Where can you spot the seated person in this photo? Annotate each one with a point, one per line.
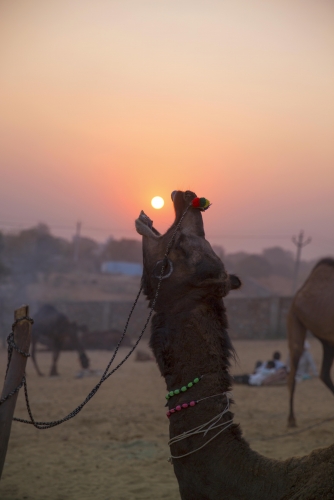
(277, 360)
(261, 372)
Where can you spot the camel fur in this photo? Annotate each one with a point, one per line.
(189, 339)
(312, 309)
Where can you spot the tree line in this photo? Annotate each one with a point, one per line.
(36, 250)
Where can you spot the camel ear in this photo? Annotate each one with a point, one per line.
(144, 226)
(235, 282)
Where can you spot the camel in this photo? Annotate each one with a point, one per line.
(53, 329)
(193, 351)
(312, 309)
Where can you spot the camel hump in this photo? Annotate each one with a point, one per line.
(313, 303)
(327, 261)
(48, 317)
(321, 279)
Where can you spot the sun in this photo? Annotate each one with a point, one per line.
(157, 202)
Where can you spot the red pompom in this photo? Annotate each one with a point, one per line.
(201, 203)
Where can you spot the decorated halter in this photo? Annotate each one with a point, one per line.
(201, 203)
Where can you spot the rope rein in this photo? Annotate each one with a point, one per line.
(288, 434)
(105, 375)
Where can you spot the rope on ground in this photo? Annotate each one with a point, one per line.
(287, 434)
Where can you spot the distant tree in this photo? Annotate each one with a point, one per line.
(2, 242)
(281, 261)
(232, 261)
(125, 250)
(4, 270)
(35, 250)
(254, 266)
(87, 253)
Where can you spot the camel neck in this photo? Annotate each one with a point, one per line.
(192, 344)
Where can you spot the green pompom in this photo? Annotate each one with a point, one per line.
(183, 389)
(190, 384)
(177, 391)
(196, 380)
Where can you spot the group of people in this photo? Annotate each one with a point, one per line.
(274, 371)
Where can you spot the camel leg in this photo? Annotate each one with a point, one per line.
(296, 339)
(55, 355)
(327, 361)
(33, 357)
(84, 360)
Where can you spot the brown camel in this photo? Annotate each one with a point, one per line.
(189, 340)
(53, 329)
(312, 309)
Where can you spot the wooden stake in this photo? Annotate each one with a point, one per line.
(16, 370)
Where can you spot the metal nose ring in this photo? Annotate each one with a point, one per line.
(167, 270)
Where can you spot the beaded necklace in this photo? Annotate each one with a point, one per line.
(183, 406)
(184, 388)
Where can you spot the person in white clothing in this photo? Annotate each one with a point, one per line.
(262, 373)
(306, 366)
(277, 360)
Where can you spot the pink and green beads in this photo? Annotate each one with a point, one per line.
(181, 407)
(183, 389)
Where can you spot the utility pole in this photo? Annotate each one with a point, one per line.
(77, 242)
(300, 243)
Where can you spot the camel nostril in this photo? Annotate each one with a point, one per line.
(173, 195)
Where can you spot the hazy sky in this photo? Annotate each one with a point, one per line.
(107, 103)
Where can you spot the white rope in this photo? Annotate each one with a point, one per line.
(205, 428)
(214, 396)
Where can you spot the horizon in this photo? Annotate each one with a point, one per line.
(65, 231)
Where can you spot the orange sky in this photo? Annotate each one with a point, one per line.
(107, 103)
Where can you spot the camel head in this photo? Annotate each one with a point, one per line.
(192, 270)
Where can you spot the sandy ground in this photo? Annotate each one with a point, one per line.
(116, 448)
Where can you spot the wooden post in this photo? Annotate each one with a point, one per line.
(16, 370)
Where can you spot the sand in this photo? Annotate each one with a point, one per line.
(116, 448)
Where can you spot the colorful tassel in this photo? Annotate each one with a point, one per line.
(201, 203)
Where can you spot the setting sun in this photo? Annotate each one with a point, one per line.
(157, 202)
